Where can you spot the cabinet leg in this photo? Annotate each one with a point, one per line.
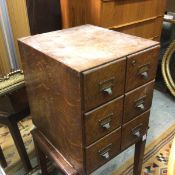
(138, 158)
(41, 159)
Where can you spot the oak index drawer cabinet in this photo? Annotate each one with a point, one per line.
(90, 91)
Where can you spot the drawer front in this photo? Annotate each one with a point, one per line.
(141, 68)
(148, 29)
(102, 151)
(138, 101)
(103, 84)
(103, 120)
(134, 130)
(116, 12)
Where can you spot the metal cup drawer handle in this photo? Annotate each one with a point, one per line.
(143, 71)
(105, 123)
(105, 152)
(137, 131)
(140, 103)
(106, 86)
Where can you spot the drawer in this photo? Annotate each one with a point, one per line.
(141, 68)
(103, 150)
(103, 120)
(103, 83)
(148, 29)
(134, 130)
(138, 101)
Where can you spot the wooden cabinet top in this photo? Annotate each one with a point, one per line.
(84, 47)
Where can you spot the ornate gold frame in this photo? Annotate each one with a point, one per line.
(165, 68)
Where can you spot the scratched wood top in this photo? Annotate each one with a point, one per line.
(84, 47)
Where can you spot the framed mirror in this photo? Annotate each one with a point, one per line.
(168, 68)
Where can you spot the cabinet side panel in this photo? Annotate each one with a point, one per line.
(54, 95)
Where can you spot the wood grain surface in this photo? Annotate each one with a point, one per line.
(140, 96)
(84, 47)
(55, 102)
(111, 113)
(141, 62)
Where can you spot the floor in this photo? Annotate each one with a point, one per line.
(162, 117)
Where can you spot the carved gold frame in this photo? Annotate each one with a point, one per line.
(165, 68)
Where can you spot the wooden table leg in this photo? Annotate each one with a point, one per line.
(139, 155)
(2, 159)
(14, 130)
(41, 159)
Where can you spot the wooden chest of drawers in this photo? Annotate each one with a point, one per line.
(140, 18)
(90, 91)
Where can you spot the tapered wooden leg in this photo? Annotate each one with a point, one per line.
(41, 159)
(138, 158)
(3, 162)
(14, 130)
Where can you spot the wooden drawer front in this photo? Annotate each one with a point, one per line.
(103, 120)
(138, 101)
(134, 130)
(103, 150)
(116, 12)
(148, 29)
(141, 68)
(104, 83)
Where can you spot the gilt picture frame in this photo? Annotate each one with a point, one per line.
(168, 68)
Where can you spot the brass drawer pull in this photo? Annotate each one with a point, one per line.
(108, 91)
(105, 152)
(105, 123)
(140, 104)
(143, 71)
(137, 131)
(144, 75)
(106, 86)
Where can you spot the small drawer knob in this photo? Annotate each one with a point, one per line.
(105, 155)
(144, 75)
(108, 91)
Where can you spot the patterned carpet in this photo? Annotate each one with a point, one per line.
(155, 161)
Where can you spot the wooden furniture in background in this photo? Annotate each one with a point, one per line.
(141, 18)
(13, 108)
(90, 92)
(5, 67)
(19, 22)
(44, 15)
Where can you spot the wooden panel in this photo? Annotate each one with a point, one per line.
(54, 97)
(79, 12)
(141, 68)
(122, 12)
(138, 101)
(103, 83)
(4, 60)
(134, 130)
(143, 29)
(94, 46)
(19, 21)
(103, 150)
(103, 120)
(41, 22)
